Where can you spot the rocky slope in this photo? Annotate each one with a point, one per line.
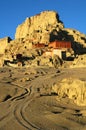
(78, 40)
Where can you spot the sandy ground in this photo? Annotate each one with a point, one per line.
(27, 101)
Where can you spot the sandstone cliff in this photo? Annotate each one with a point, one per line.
(39, 27)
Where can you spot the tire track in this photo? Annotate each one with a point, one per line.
(20, 117)
(15, 109)
(19, 109)
(19, 104)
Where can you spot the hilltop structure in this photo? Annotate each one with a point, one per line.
(39, 31)
(39, 27)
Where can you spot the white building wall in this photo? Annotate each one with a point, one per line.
(61, 53)
(57, 52)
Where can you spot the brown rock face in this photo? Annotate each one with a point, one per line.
(39, 27)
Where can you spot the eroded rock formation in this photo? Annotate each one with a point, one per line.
(74, 89)
(39, 27)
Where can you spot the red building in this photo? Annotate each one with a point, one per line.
(39, 45)
(60, 44)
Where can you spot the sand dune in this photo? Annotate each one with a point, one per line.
(30, 100)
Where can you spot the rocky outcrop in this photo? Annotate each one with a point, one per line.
(39, 27)
(74, 89)
(79, 61)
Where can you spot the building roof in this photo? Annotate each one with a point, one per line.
(60, 44)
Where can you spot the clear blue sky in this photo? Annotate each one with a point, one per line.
(14, 12)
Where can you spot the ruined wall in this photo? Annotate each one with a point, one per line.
(3, 44)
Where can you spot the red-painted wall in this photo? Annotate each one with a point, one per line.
(60, 44)
(39, 45)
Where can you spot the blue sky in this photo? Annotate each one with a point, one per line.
(14, 12)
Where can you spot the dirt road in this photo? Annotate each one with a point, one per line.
(28, 103)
